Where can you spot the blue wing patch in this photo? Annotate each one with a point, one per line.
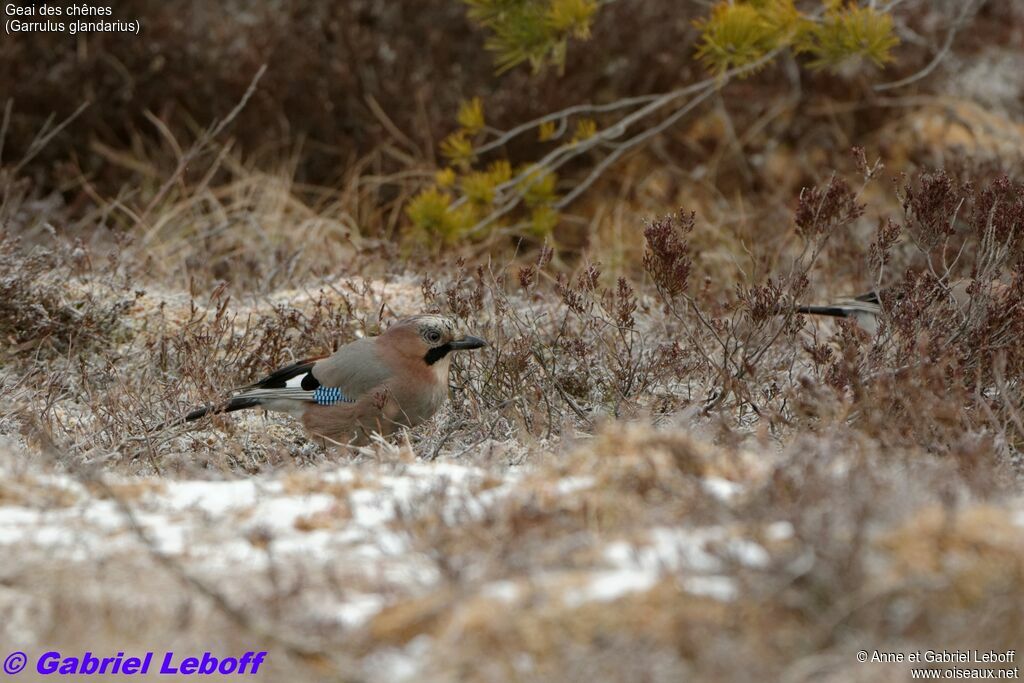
(329, 396)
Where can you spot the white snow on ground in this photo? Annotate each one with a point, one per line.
(694, 557)
(397, 665)
(348, 522)
(341, 519)
(608, 585)
(720, 488)
(211, 522)
(691, 555)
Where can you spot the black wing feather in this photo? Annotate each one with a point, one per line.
(275, 380)
(279, 378)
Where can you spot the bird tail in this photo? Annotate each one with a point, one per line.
(833, 311)
(252, 398)
(229, 406)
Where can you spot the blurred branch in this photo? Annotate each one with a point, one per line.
(201, 144)
(3, 127)
(510, 194)
(561, 117)
(44, 135)
(967, 10)
(630, 144)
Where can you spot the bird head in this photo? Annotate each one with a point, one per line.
(432, 337)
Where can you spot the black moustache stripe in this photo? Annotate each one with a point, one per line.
(437, 353)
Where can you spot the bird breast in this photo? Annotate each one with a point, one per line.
(420, 396)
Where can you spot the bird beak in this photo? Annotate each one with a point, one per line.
(468, 343)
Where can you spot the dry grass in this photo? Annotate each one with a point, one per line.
(657, 470)
(632, 465)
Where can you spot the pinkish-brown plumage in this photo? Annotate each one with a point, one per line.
(376, 384)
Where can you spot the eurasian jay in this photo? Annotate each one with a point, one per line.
(374, 384)
(866, 308)
(863, 310)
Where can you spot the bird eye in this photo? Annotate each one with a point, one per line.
(433, 336)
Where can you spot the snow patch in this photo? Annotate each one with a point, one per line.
(605, 586)
(722, 489)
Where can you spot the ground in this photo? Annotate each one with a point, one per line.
(657, 470)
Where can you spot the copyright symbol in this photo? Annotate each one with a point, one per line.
(862, 656)
(15, 662)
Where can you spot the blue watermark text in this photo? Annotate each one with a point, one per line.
(166, 663)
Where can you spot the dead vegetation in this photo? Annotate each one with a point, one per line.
(652, 459)
(658, 470)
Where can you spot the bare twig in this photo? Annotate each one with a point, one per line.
(200, 145)
(967, 9)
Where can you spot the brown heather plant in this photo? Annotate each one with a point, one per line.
(734, 346)
(658, 470)
(48, 305)
(667, 258)
(859, 445)
(570, 349)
